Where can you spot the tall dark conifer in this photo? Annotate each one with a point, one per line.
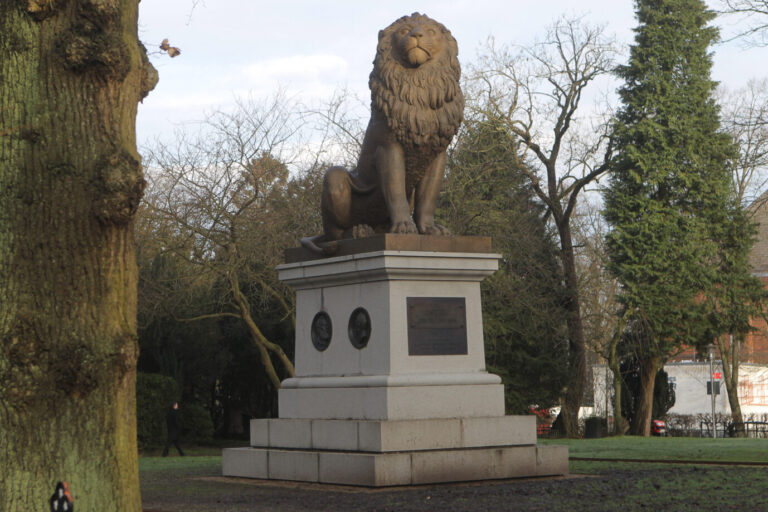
(524, 310)
(670, 200)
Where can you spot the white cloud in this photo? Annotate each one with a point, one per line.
(321, 67)
(186, 100)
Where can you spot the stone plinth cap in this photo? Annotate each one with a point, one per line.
(392, 242)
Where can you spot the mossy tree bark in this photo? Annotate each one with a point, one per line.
(649, 367)
(614, 363)
(71, 75)
(729, 348)
(577, 346)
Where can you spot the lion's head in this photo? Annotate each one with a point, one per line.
(415, 81)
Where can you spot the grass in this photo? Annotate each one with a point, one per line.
(670, 487)
(209, 464)
(668, 448)
(212, 448)
(184, 484)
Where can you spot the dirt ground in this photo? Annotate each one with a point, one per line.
(593, 486)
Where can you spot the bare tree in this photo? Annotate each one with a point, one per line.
(537, 92)
(754, 14)
(339, 127)
(601, 311)
(745, 118)
(220, 202)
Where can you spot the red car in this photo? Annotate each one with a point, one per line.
(658, 428)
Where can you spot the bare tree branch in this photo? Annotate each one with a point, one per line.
(536, 92)
(221, 203)
(744, 116)
(753, 15)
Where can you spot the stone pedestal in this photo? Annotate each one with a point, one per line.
(390, 385)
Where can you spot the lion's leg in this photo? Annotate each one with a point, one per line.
(390, 162)
(427, 192)
(336, 203)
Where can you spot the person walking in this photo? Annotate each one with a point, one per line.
(174, 429)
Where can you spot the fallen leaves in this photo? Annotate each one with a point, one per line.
(171, 50)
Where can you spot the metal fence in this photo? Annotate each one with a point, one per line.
(756, 429)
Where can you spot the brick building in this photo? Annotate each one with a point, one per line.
(689, 371)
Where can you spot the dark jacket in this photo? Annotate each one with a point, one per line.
(173, 423)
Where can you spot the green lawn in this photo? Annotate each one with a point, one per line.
(190, 484)
(208, 464)
(668, 448)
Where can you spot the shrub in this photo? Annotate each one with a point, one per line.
(154, 394)
(196, 423)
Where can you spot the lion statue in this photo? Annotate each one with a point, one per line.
(416, 109)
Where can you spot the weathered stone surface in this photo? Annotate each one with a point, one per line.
(244, 462)
(394, 435)
(400, 468)
(290, 433)
(392, 403)
(364, 469)
(382, 282)
(551, 460)
(395, 242)
(292, 465)
(335, 435)
(260, 432)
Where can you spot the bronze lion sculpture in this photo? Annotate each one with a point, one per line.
(416, 109)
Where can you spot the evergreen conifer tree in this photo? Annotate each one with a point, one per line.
(670, 201)
(524, 312)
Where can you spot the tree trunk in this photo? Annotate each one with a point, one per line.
(619, 423)
(641, 424)
(730, 355)
(234, 420)
(577, 353)
(71, 76)
(263, 345)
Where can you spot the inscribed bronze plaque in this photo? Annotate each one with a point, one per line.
(437, 326)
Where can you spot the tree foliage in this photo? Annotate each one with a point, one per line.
(220, 210)
(154, 394)
(487, 194)
(679, 235)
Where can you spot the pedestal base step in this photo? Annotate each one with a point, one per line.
(397, 468)
(392, 402)
(393, 435)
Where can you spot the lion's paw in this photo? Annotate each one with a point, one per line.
(362, 231)
(435, 230)
(406, 227)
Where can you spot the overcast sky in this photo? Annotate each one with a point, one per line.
(235, 48)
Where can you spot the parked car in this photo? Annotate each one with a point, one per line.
(658, 428)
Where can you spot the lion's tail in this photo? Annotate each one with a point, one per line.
(328, 249)
(361, 189)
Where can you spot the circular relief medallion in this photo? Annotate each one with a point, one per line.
(359, 328)
(322, 330)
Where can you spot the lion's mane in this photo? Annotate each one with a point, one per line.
(423, 106)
